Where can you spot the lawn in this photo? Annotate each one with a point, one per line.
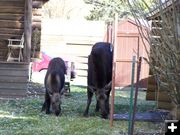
(23, 116)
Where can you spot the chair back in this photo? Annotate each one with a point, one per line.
(22, 39)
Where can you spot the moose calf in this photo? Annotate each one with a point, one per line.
(54, 85)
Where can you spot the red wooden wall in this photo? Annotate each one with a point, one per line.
(129, 44)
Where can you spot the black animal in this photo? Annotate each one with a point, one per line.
(54, 83)
(100, 77)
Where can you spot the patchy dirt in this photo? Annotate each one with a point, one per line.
(38, 89)
(35, 89)
(36, 85)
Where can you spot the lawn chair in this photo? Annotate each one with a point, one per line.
(67, 77)
(15, 44)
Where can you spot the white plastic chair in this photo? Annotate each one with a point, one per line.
(15, 44)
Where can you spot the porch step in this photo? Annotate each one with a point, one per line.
(13, 79)
(3, 53)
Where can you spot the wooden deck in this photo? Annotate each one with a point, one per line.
(17, 17)
(14, 77)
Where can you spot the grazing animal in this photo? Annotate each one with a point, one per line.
(100, 77)
(54, 84)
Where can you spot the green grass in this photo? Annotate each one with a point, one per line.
(23, 117)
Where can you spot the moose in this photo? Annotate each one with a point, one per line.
(54, 84)
(99, 77)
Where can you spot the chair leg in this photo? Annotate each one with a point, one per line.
(21, 55)
(20, 58)
(9, 54)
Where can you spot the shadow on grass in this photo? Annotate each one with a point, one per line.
(29, 118)
(75, 103)
(78, 99)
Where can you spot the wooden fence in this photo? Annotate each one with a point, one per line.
(72, 40)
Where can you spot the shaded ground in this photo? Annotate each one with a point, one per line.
(23, 117)
(35, 89)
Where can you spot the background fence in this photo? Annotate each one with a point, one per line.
(72, 40)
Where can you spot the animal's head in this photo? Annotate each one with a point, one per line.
(56, 103)
(53, 87)
(102, 98)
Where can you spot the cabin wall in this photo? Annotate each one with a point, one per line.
(13, 79)
(12, 14)
(14, 76)
(36, 28)
(154, 92)
(12, 23)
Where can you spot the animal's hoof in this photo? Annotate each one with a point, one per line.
(104, 116)
(48, 112)
(57, 113)
(85, 115)
(96, 110)
(43, 108)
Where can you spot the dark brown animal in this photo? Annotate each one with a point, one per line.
(100, 77)
(54, 84)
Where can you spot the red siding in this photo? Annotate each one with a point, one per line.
(129, 44)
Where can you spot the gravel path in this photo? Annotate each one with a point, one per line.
(36, 85)
(35, 89)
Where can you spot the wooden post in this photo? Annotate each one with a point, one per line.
(27, 30)
(109, 32)
(107, 38)
(113, 70)
(136, 94)
(131, 96)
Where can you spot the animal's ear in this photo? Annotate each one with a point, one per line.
(108, 86)
(91, 88)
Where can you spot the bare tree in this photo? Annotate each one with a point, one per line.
(64, 9)
(164, 39)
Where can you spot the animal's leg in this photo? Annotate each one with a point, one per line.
(47, 103)
(107, 105)
(43, 107)
(107, 102)
(89, 94)
(105, 113)
(97, 106)
(44, 104)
